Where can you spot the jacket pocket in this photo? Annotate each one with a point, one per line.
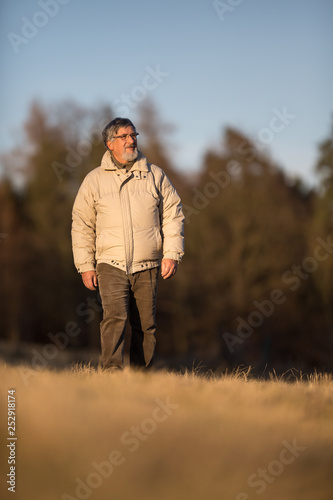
(99, 245)
(158, 239)
(147, 244)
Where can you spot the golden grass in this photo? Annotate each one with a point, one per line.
(162, 436)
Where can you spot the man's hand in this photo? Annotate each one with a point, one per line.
(89, 279)
(168, 268)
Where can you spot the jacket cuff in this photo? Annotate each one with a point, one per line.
(86, 267)
(173, 255)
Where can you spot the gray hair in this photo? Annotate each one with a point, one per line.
(112, 128)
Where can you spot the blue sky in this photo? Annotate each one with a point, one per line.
(233, 62)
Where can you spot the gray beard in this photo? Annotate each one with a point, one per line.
(130, 156)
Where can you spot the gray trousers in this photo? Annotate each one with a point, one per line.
(125, 296)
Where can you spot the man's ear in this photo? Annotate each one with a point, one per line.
(109, 145)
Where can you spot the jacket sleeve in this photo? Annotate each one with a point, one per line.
(172, 221)
(84, 229)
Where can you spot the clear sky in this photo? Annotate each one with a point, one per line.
(206, 64)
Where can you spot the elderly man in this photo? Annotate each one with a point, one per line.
(127, 225)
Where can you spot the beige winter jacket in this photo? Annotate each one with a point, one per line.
(130, 220)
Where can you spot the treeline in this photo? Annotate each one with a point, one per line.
(256, 283)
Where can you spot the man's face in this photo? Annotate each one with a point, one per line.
(123, 149)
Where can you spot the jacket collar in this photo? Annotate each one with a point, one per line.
(140, 164)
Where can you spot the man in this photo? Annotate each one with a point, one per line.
(127, 225)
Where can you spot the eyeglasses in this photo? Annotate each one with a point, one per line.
(125, 137)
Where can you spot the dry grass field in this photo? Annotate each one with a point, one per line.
(85, 434)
